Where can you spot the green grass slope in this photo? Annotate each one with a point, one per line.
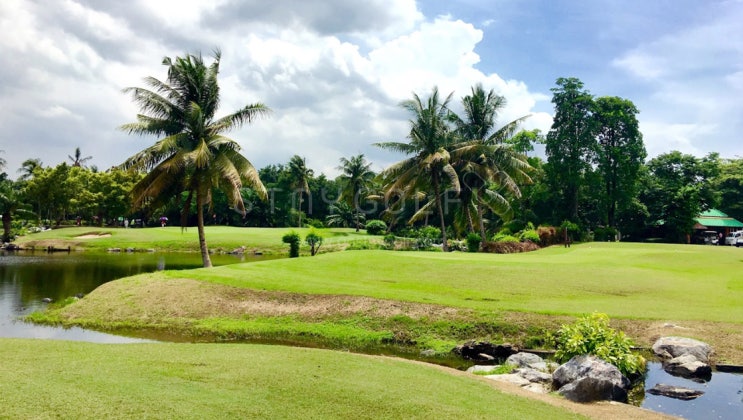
(647, 281)
(56, 379)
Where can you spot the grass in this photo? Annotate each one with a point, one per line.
(56, 379)
(172, 238)
(642, 281)
(360, 300)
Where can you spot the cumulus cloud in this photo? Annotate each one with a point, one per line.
(333, 72)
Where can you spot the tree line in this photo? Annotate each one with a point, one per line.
(465, 173)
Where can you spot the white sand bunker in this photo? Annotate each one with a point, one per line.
(93, 236)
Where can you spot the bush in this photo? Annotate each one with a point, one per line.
(574, 231)
(603, 234)
(503, 237)
(591, 334)
(508, 247)
(376, 227)
(389, 241)
(315, 223)
(548, 235)
(530, 236)
(293, 239)
(473, 242)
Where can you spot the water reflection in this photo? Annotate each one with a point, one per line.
(28, 278)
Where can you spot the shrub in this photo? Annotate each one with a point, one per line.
(361, 244)
(389, 241)
(604, 234)
(503, 237)
(314, 240)
(574, 231)
(473, 242)
(548, 235)
(508, 247)
(376, 227)
(591, 334)
(530, 236)
(293, 239)
(315, 223)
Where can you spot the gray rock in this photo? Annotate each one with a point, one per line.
(510, 378)
(482, 368)
(672, 347)
(534, 375)
(673, 391)
(588, 378)
(688, 366)
(524, 359)
(428, 353)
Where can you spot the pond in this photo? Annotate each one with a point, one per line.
(28, 278)
(722, 398)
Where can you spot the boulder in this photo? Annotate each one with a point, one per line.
(587, 378)
(510, 378)
(672, 347)
(484, 351)
(684, 357)
(534, 375)
(530, 360)
(482, 368)
(673, 391)
(688, 366)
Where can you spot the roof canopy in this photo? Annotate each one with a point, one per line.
(716, 218)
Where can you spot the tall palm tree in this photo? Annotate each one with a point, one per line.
(429, 168)
(28, 167)
(192, 157)
(3, 162)
(78, 160)
(487, 166)
(356, 175)
(300, 175)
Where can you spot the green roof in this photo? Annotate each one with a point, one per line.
(716, 218)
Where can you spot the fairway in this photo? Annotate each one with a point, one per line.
(55, 379)
(625, 280)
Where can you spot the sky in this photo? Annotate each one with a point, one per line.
(334, 71)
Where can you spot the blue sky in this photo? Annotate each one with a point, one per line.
(334, 71)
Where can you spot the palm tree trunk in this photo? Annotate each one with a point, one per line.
(357, 220)
(481, 219)
(6, 226)
(440, 207)
(299, 209)
(202, 237)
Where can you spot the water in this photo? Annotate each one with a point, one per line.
(27, 278)
(722, 399)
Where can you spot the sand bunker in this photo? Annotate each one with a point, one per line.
(93, 236)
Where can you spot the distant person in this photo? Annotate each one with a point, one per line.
(126, 223)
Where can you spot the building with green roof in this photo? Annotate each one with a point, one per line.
(716, 220)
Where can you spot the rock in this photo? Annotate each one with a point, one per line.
(671, 347)
(677, 392)
(114, 249)
(47, 300)
(688, 366)
(482, 368)
(524, 359)
(510, 378)
(475, 350)
(587, 378)
(534, 375)
(428, 353)
(684, 357)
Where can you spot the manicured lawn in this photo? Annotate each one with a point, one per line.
(172, 238)
(650, 281)
(56, 379)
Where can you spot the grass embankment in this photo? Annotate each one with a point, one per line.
(433, 300)
(55, 379)
(172, 238)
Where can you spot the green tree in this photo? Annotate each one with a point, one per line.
(193, 155)
(356, 176)
(679, 187)
(300, 176)
(729, 184)
(570, 144)
(429, 168)
(29, 167)
(524, 141)
(342, 214)
(620, 153)
(11, 203)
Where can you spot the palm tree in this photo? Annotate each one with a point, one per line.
(300, 176)
(192, 157)
(341, 214)
(3, 162)
(356, 177)
(429, 168)
(485, 164)
(28, 167)
(77, 160)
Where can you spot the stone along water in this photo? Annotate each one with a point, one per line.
(27, 279)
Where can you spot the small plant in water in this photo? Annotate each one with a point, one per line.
(591, 334)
